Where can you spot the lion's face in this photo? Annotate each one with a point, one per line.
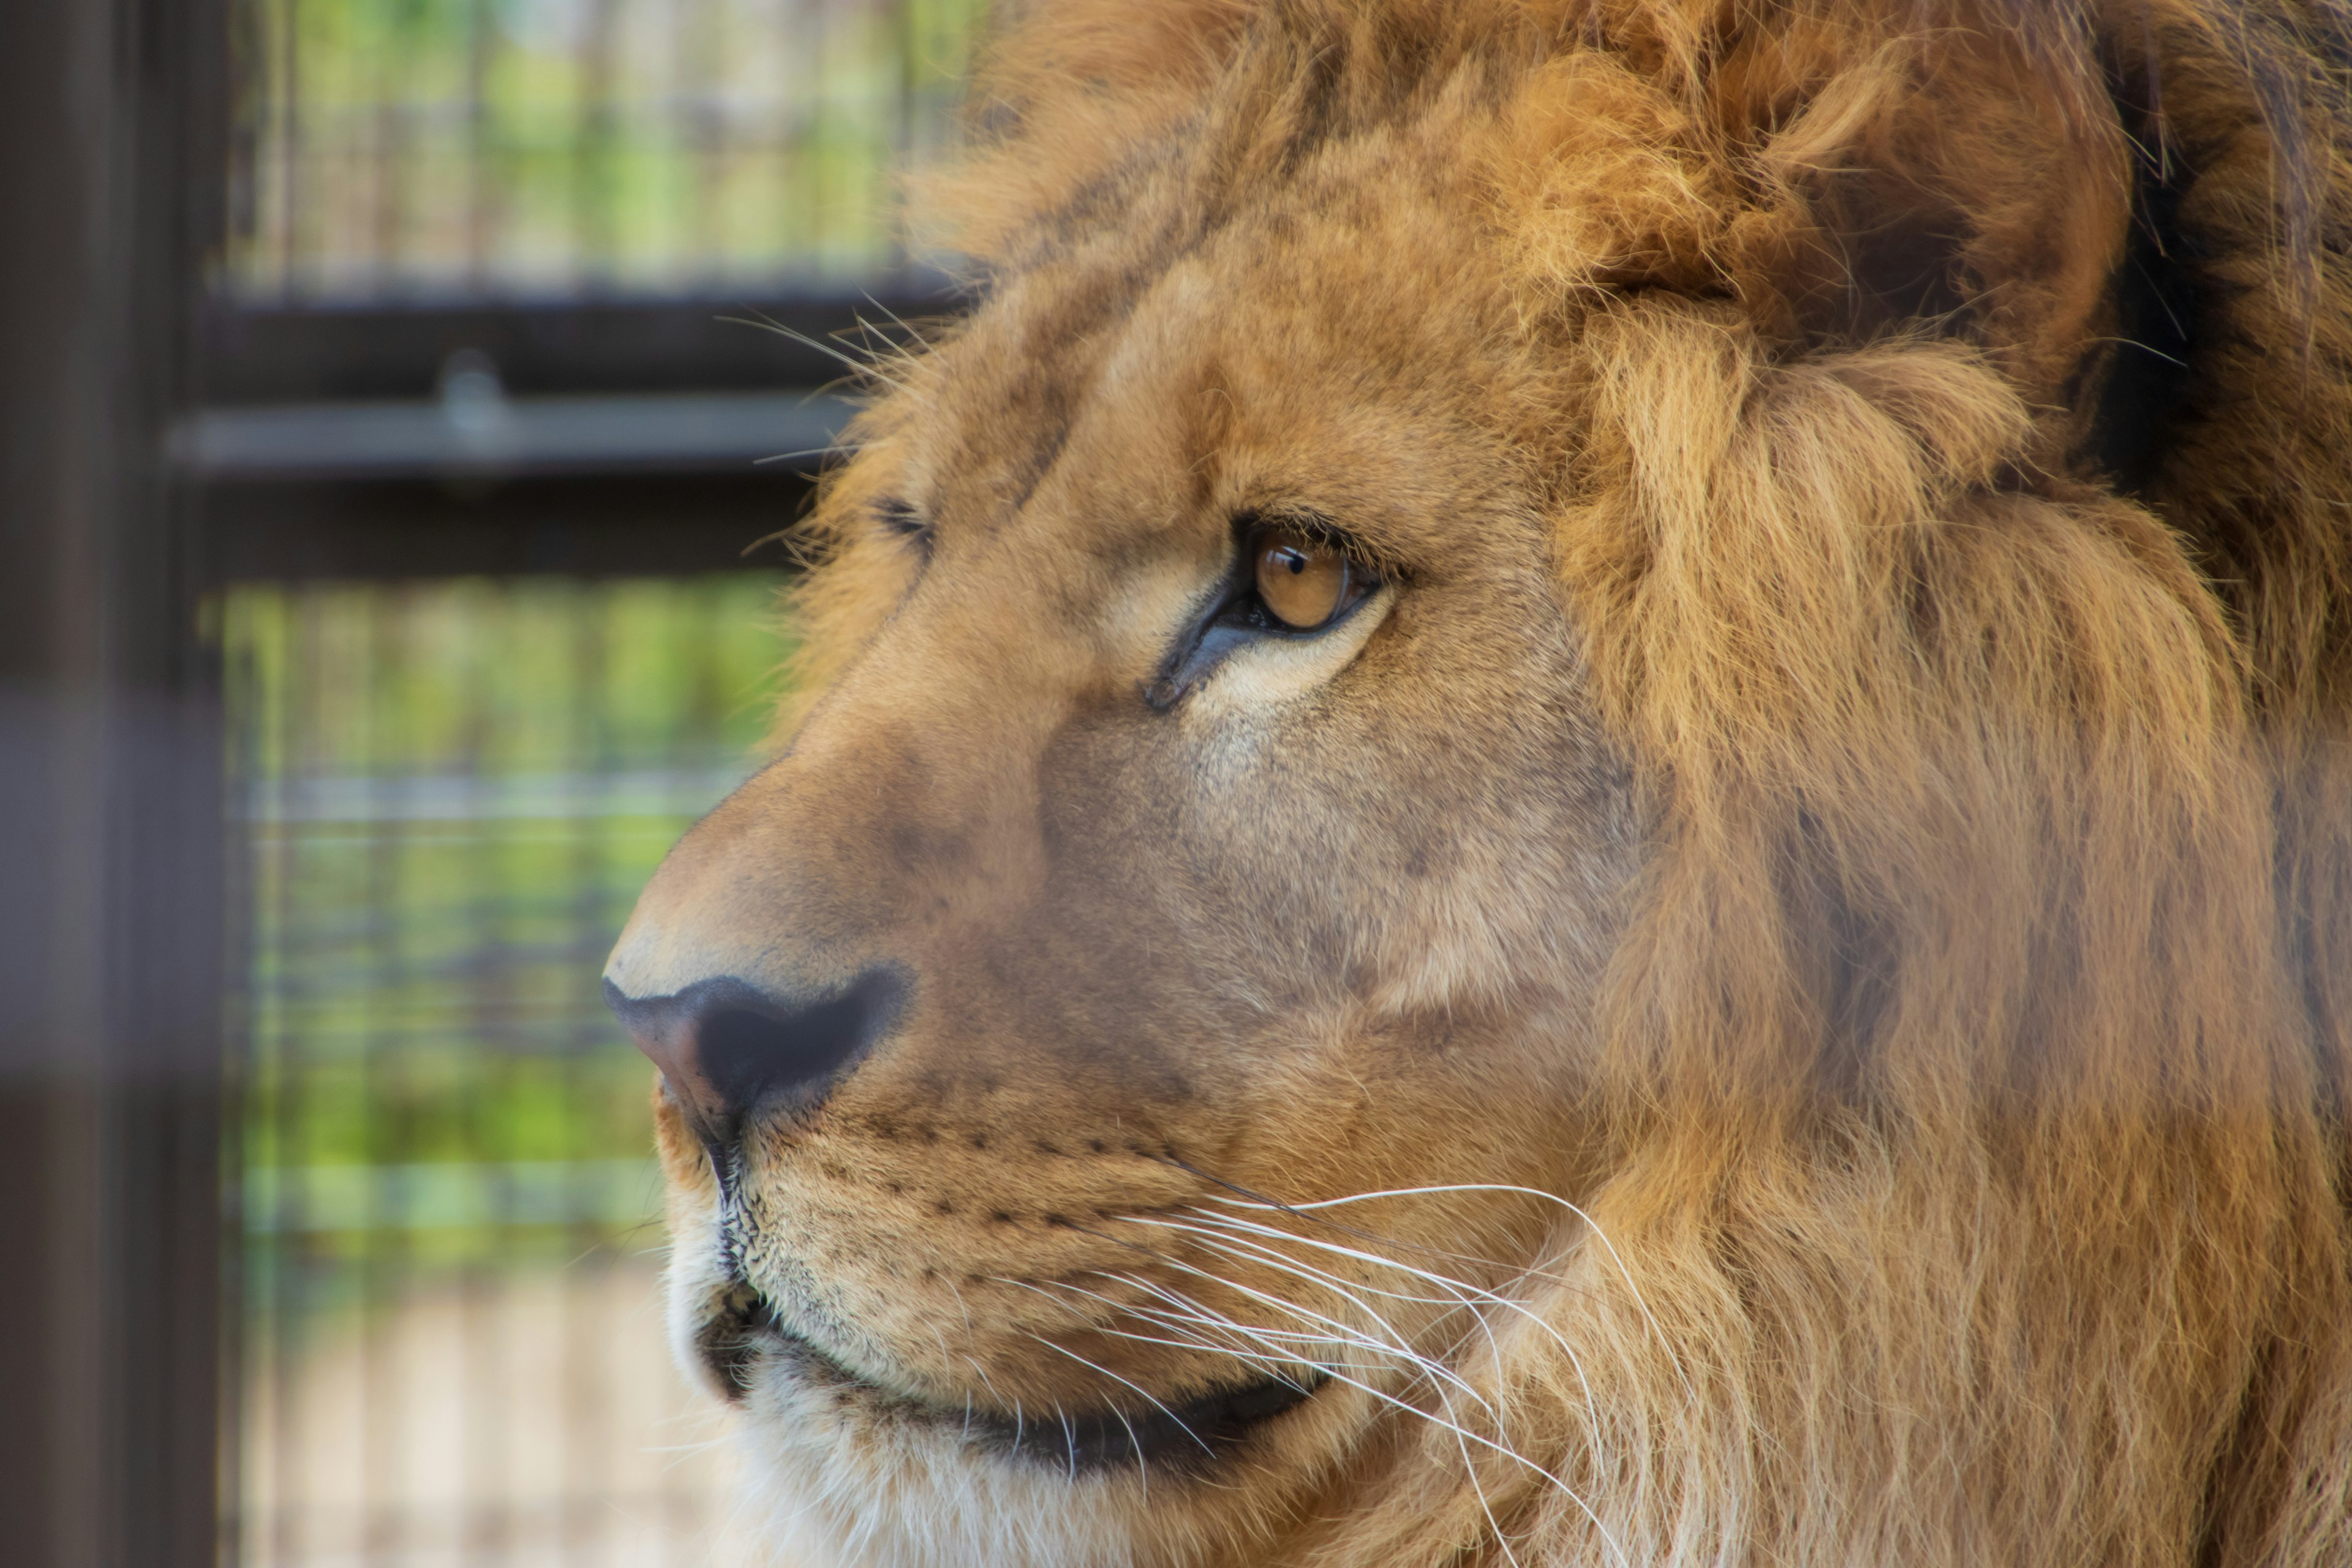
(1095, 907)
(1573, 794)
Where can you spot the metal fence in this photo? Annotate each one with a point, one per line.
(398, 149)
(451, 1347)
(464, 323)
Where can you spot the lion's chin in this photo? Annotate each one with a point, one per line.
(742, 1344)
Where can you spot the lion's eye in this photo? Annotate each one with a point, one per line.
(900, 520)
(1303, 582)
(1294, 580)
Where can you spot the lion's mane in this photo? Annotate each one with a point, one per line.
(1979, 1060)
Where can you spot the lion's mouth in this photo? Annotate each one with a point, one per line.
(743, 1337)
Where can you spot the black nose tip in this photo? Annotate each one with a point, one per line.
(730, 1049)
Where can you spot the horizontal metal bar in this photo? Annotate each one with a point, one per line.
(633, 523)
(251, 352)
(496, 437)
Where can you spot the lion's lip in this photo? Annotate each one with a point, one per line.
(744, 1334)
(1188, 1436)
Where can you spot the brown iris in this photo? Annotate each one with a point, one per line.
(1302, 580)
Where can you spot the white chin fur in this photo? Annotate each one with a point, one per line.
(827, 1491)
(861, 1497)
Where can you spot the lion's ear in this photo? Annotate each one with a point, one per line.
(1961, 183)
(1844, 182)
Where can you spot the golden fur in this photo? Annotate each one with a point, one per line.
(1835, 853)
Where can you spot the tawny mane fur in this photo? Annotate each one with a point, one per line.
(1938, 420)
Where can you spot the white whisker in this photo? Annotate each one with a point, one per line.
(1183, 1321)
(1590, 1223)
(1461, 1433)
(1139, 1388)
(1396, 1345)
(1444, 1282)
(864, 368)
(1345, 1335)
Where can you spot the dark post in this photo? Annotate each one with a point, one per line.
(111, 909)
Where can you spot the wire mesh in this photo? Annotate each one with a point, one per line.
(406, 149)
(452, 1349)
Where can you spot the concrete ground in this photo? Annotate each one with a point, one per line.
(528, 1418)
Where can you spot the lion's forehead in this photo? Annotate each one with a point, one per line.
(1287, 323)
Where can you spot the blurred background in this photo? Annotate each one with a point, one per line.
(400, 399)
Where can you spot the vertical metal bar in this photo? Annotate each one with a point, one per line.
(592, 236)
(909, 36)
(288, 1253)
(574, 1036)
(248, 53)
(389, 155)
(483, 177)
(817, 131)
(490, 1505)
(698, 124)
(379, 1285)
(307, 1262)
(790, 127)
(293, 153)
(110, 948)
(476, 1369)
(492, 1063)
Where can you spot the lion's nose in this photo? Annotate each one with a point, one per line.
(732, 1049)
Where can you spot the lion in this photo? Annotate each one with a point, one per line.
(1576, 789)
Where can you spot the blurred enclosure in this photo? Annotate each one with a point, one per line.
(424, 148)
(451, 792)
(471, 463)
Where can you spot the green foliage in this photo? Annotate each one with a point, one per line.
(498, 678)
(453, 792)
(424, 144)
